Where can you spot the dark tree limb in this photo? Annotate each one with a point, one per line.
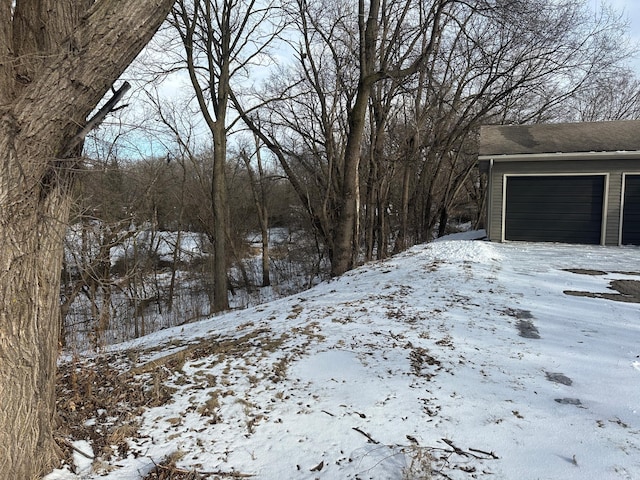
(97, 119)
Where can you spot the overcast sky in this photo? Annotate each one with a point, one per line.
(631, 9)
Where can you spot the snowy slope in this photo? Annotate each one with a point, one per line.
(461, 357)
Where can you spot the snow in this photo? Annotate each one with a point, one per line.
(463, 357)
(192, 245)
(82, 459)
(82, 455)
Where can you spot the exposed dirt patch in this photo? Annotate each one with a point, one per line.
(526, 329)
(518, 313)
(558, 378)
(628, 291)
(569, 401)
(627, 287)
(585, 271)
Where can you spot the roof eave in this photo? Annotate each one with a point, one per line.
(514, 157)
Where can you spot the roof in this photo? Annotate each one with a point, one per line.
(614, 136)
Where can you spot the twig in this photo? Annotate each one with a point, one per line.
(73, 447)
(366, 435)
(444, 475)
(455, 449)
(488, 454)
(229, 474)
(461, 452)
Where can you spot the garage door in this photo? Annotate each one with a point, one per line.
(631, 211)
(565, 209)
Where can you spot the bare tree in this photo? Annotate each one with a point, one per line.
(316, 127)
(221, 40)
(57, 60)
(493, 64)
(613, 96)
(377, 45)
(259, 190)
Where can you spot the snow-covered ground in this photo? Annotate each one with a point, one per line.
(465, 358)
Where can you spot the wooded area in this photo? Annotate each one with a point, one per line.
(331, 133)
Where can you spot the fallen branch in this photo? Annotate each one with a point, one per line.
(457, 450)
(470, 453)
(176, 357)
(488, 454)
(366, 435)
(210, 346)
(218, 473)
(73, 447)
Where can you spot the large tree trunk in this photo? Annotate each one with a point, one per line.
(195, 23)
(220, 223)
(57, 60)
(31, 261)
(346, 228)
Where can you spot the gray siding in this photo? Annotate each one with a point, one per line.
(614, 169)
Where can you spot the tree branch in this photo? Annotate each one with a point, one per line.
(97, 119)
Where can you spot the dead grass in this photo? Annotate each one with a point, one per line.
(101, 399)
(211, 407)
(167, 470)
(95, 390)
(419, 463)
(120, 434)
(420, 360)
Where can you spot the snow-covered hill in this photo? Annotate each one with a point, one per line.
(458, 359)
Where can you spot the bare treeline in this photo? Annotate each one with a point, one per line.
(139, 251)
(354, 125)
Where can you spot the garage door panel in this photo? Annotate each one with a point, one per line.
(551, 209)
(554, 208)
(560, 192)
(550, 204)
(555, 223)
(631, 211)
(547, 198)
(558, 237)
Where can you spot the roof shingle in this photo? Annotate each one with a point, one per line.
(612, 136)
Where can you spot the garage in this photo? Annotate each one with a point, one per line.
(558, 208)
(576, 183)
(631, 211)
